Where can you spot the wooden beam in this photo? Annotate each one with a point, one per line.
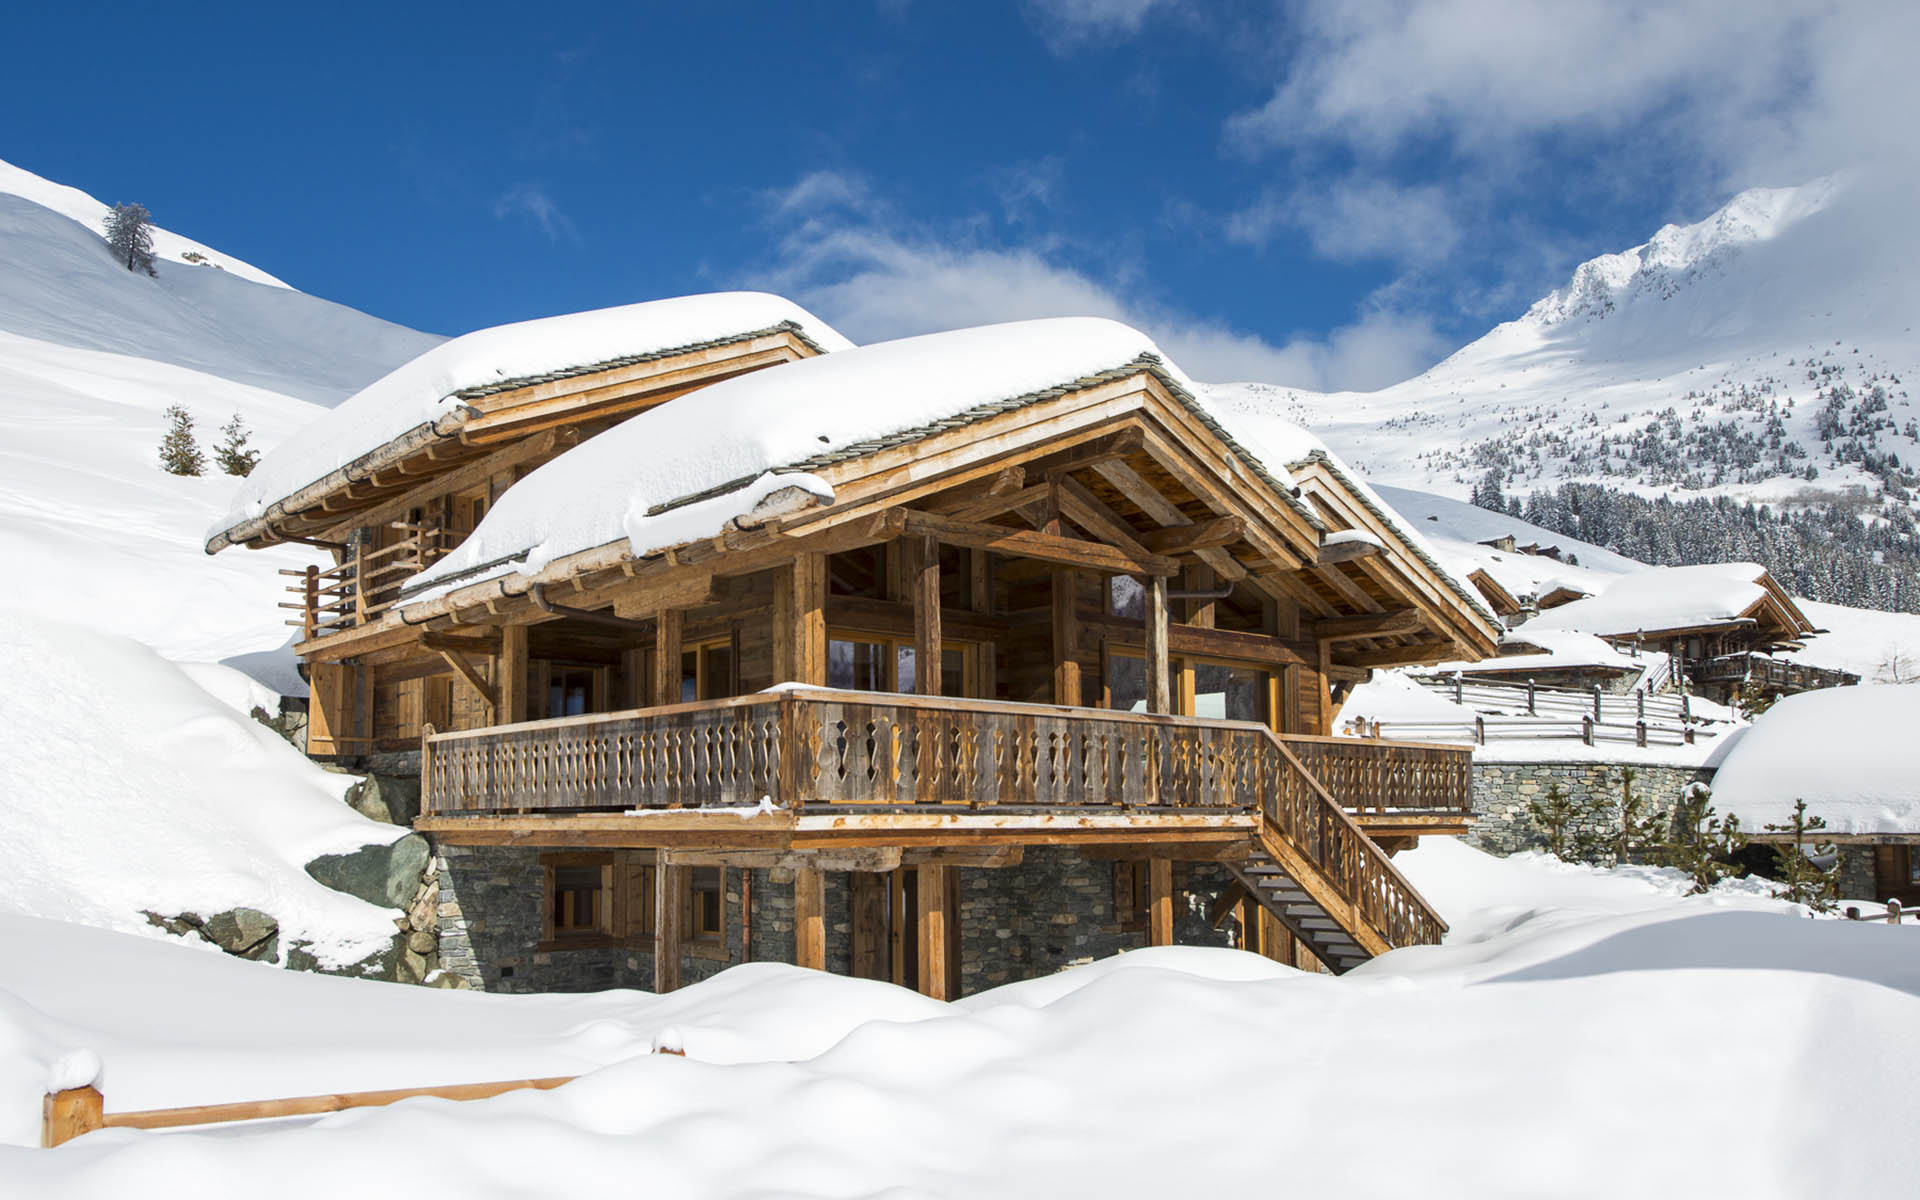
(860, 859)
(799, 621)
(926, 617)
(982, 857)
(1418, 654)
(466, 671)
(666, 657)
(485, 642)
(1071, 552)
(935, 964)
(885, 616)
(1066, 636)
(1084, 509)
(1200, 612)
(810, 918)
(458, 480)
(512, 674)
(1386, 624)
(1346, 551)
(1160, 901)
(1187, 539)
(666, 928)
(1004, 482)
(1159, 665)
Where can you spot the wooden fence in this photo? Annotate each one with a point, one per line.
(366, 584)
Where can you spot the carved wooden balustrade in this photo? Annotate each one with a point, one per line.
(1389, 777)
(807, 750)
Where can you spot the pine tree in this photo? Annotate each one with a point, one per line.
(232, 453)
(1638, 836)
(129, 233)
(1555, 815)
(1814, 886)
(179, 453)
(1702, 844)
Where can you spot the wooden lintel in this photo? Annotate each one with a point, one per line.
(868, 859)
(987, 857)
(486, 641)
(1419, 654)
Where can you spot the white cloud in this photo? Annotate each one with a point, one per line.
(1761, 90)
(1356, 219)
(875, 280)
(1067, 25)
(532, 202)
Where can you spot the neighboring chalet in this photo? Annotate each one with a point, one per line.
(1849, 754)
(1718, 624)
(948, 660)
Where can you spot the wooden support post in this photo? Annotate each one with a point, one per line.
(800, 621)
(1066, 636)
(1323, 690)
(1160, 900)
(810, 918)
(935, 966)
(666, 657)
(511, 680)
(666, 927)
(926, 618)
(1159, 667)
(66, 1115)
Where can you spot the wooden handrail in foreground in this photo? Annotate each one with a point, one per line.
(67, 1114)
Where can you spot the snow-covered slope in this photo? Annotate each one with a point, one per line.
(91, 355)
(1583, 1033)
(59, 284)
(1727, 356)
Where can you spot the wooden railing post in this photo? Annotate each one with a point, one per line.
(426, 769)
(312, 598)
(68, 1114)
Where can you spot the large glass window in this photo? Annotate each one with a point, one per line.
(707, 671)
(1221, 691)
(1229, 693)
(891, 665)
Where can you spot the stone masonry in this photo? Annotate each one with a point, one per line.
(1054, 910)
(1502, 791)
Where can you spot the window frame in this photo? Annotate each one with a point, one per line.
(626, 884)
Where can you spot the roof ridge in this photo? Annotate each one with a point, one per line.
(627, 360)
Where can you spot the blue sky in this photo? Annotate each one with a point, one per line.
(1325, 195)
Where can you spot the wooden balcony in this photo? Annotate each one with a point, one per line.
(356, 591)
(873, 763)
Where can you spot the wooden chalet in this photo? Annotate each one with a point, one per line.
(947, 661)
(1720, 625)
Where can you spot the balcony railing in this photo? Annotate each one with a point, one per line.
(813, 751)
(365, 585)
(1775, 673)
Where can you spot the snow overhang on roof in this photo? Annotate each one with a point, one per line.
(1668, 599)
(429, 398)
(679, 472)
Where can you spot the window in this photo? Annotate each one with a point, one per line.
(579, 900)
(571, 691)
(1219, 690)
(596, 900)
(874, 663)
(706, 904)
(707, 670)
(1130, 895)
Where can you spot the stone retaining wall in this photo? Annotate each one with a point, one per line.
(1502, 791)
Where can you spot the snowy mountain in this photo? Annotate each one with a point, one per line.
(90, 357)
(1764, 353)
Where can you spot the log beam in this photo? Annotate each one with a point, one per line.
(1044, 547)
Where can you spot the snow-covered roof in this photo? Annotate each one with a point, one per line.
(1283, 443)
(1662, 598)
(432, 386)
(1848, 752)
(678, 472)
(1547, 650)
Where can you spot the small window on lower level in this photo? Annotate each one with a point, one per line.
(579, 901)
(706, 904)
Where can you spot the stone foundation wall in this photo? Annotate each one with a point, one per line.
(1502, 791)
(1054, 910)
(491, 921)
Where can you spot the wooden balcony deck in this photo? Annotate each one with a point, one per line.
(819, 767)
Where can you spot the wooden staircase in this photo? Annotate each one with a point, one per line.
(1325, 880)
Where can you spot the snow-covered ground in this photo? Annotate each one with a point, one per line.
(1583, 1033)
